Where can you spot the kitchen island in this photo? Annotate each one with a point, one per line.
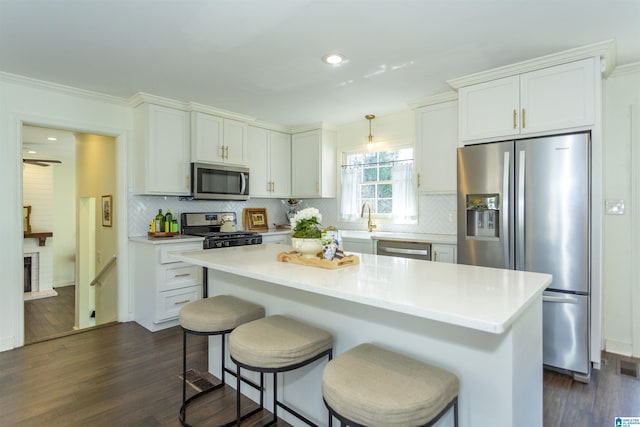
(483, 324)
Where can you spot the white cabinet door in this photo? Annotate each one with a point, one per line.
(558, 97)
(235, 138)
(280, 164)
(313, 164)
(551, 99)
(206, 135)
(489, 109)
(364, 246)
(217, 140)
(162, 166)
(258, 161)
(269, 160)
(436, 147)
(279, 239)
(305, 164)
(443, 253)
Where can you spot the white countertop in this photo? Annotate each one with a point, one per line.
(449, 239)
(480, 298)
(166, 240)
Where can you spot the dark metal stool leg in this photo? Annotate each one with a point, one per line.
(184, 371)
(238, 382)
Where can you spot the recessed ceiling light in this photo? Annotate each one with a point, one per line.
(52, 138)
(333, 58)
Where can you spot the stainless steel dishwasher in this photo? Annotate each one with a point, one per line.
(404, 249)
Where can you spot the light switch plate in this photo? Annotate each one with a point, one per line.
(614, 207)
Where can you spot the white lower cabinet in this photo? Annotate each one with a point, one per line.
(278, 238)
(364, 246)
(162, 285)
(443, 253)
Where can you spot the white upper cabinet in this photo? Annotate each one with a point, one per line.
(269, 161)
(217, 140)
(161, 151)
(207, 137)
(313, 164)
(235, 141)
(436, 147)
(550, 99)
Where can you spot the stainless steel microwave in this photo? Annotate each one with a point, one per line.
(219, 182)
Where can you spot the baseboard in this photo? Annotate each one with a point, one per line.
(618, 347)
(6, 343)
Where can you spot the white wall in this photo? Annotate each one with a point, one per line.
(620, 286)
(64, 222)
(33, 102)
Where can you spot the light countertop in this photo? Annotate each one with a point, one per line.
(480, 298)
(166, 240)
(408, 237)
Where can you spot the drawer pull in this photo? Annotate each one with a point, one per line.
(182, 275)
(182, 302)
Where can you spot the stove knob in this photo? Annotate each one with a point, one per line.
(218, 244)
(226, 243)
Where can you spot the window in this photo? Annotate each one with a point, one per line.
(383, 179)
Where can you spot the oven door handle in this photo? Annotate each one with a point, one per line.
(423, 252)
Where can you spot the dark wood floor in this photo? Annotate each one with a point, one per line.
(116, 375)
(45, 318)
(123, 375)
(609, 394)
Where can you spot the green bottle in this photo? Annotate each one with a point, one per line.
(168, 218)
(159, 220)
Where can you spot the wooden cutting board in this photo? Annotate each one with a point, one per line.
(296, 258)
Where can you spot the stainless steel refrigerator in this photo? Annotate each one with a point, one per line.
(525, 205)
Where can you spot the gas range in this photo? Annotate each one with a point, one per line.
(210, 225)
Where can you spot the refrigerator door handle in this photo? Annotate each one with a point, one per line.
(521, 200)
(505, 209)
(565, 300)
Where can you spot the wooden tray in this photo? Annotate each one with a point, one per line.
(163, 234)
(296, 258)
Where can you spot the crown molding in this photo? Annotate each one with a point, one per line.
(626, 69)
(605, 50)
(60, 88)
(202, 108)
(142, 97)
(434, 99)
(313, 126)
(271, 126)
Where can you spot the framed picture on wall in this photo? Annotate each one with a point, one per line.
(107, 211)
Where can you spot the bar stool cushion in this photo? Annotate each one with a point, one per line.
(377, 387)
(276, 342)
(219, 313)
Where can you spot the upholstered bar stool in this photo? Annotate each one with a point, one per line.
(372, 386)
(277, 344)
(213, 316)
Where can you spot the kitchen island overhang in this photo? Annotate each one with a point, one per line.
(483, 324)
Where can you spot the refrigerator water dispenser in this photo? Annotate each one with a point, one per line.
(483, 216)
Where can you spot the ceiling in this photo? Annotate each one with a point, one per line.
(262, 58)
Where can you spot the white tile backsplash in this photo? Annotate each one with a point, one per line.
(434, 212)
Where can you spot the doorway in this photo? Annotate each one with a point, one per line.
(74, 168)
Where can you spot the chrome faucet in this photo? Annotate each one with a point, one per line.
(370, 225)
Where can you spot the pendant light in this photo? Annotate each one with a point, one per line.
(370, 143)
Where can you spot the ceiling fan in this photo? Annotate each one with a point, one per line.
(40, 162)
